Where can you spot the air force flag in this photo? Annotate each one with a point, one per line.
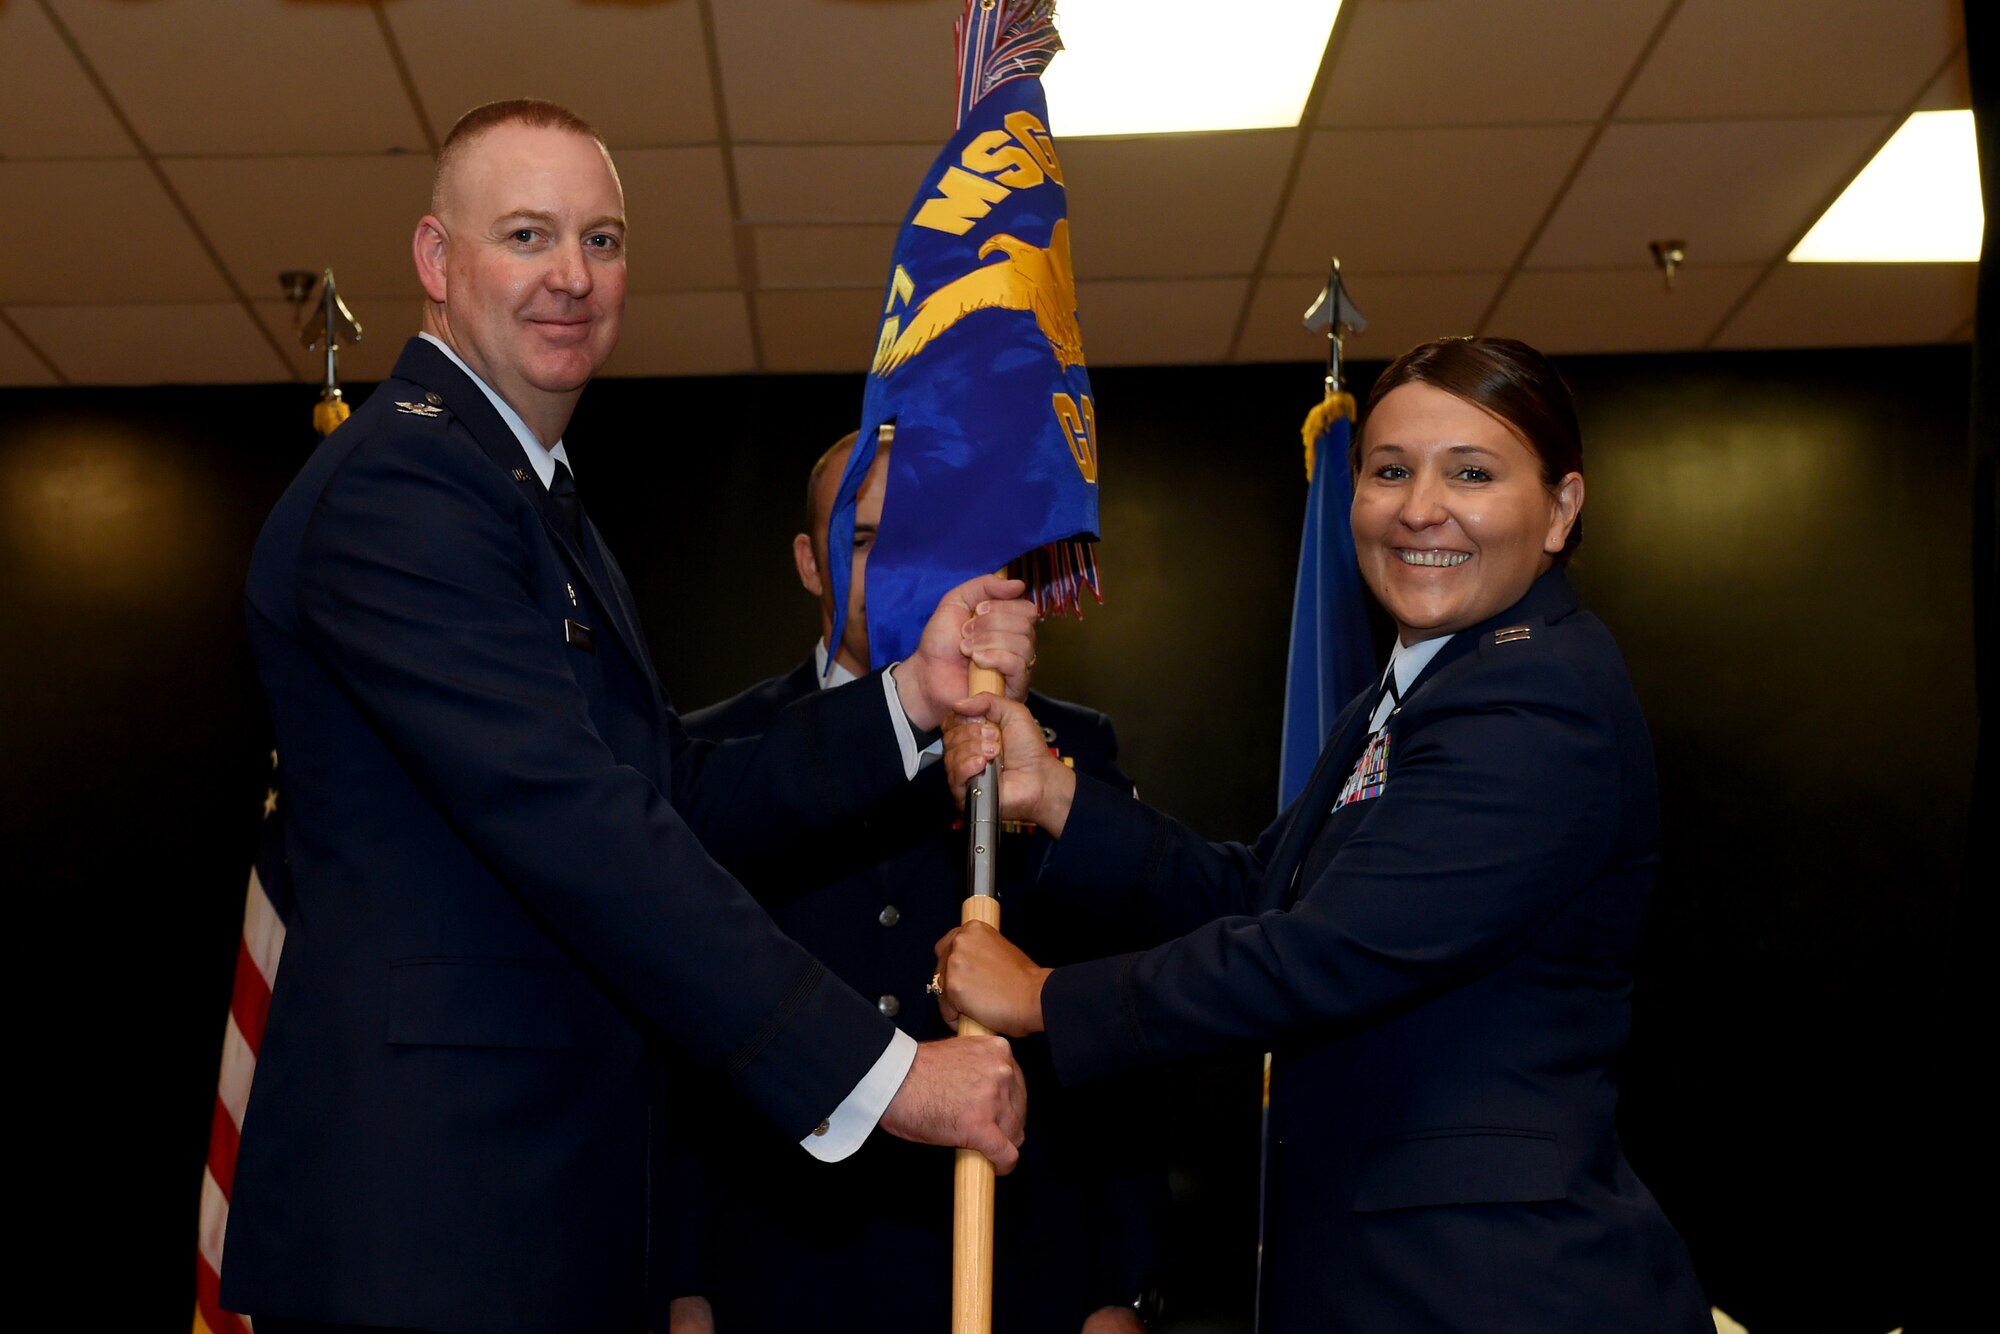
(979, 361)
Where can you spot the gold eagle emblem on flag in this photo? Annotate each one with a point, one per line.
(1031, 278)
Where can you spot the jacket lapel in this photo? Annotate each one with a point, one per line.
(624, 615)
(1315, 803)
(423, 364)
(1550, 598)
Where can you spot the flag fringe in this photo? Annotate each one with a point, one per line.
(1057, 574)
(1000, 41)
(1320, 420)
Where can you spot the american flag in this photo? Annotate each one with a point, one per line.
(265, 907)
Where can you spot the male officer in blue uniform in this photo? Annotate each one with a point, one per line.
(509, 857)
(869, 1248)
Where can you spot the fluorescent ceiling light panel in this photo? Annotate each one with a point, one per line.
(1917, 201)
(1175, 66)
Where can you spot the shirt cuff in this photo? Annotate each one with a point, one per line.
(906, 735)
(842, 1133)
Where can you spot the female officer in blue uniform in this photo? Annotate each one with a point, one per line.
(1436, 940)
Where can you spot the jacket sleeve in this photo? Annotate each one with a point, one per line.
(1497, 812)
(414, 593)
(819, 762)
(1122, 860)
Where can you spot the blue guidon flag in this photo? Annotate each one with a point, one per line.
(979, 360)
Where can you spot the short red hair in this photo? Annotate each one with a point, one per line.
(530, 111)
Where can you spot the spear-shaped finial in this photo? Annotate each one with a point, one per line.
(1333, 311)
(325, 322)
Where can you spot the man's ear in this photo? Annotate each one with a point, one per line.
(808, 565)
(428, 248)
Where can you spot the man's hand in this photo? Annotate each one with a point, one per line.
(986, 976)
(985, 621)
(965, 1092)
(1034, 784)
(691, 1315)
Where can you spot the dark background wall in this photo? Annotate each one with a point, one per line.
(1780, 541)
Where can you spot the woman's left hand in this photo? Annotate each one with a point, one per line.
(987, 977)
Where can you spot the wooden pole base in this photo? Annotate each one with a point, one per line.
(972, 1218)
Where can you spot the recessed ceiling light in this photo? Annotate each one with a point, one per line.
(1175, 66)
(1917, 201)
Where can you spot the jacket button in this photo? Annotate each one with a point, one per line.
(889, 1006)
(889, 916)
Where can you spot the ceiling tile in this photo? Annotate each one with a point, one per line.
(1735, 191)
(637, 72)
(1855, 305)
(824, 256)
(1402, 311)
(839, 183)
(1618, 310)
(108, 233)
(386, 324)
(1781, 58)
(212, 342)
(850, 72)
(824, 330)
(677, 201)
(1473, 62)
(48, 108)
(220, 76)
(1174, 206)
(1412, 201)
(1159, 323)
(268, 214)
(18, 363)
(684, 333)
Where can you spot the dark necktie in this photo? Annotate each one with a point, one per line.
(562, 490)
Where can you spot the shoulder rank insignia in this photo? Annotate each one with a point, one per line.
(418, 409)
(1511, 633)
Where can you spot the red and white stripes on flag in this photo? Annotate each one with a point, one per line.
(264, 907)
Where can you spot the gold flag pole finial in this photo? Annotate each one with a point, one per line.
(325, 322)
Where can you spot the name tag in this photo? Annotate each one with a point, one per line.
(578, 634)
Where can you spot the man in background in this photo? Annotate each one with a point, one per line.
(870, 1249)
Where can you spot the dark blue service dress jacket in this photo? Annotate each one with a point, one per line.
(1442, 967)
(506, 856)
(866, 1247)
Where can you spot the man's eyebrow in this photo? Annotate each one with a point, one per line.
(549, 219)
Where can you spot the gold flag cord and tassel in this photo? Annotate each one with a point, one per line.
(1320, 420)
